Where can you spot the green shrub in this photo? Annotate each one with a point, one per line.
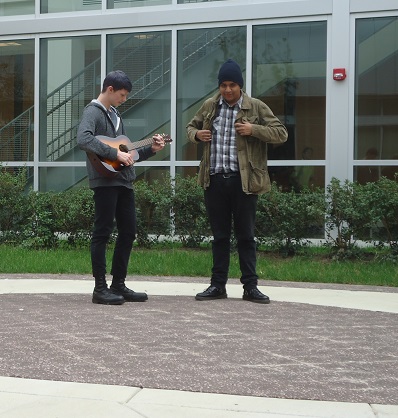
(13, 203)
(349, 216)
(189, 212)
(345, 213)
(153, 205)
(383, 203)
(74, 212)
(287, 219)
(339, 215)
(41, 227)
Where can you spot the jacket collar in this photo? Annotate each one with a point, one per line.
(246, 103)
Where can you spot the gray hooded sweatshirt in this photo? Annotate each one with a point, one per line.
(96, 121)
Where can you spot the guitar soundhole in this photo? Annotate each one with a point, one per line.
(123, 148)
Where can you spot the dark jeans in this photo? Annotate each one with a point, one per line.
(113, 203)
(225, 201)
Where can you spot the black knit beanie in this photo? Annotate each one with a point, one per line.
(230, 71)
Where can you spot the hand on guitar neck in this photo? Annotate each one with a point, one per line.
(126, 152)
(127, 157)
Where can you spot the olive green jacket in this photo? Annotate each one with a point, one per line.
(252, 150)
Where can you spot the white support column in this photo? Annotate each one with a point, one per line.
(338, 131)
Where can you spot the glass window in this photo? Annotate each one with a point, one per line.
(195, 1)
(150, 174)
(70, 78)
(376, 94)
(56, 6)
(201, 52)
(300, 177)
(13, 8)
(187, 171)
(145, 58)
(117, 4)
(16, 100)
(289, 75)
(58, 179)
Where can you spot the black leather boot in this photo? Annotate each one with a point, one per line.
(118, 287)
(103, 295)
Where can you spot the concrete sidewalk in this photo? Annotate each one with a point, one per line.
(315, 351)
(20, 398)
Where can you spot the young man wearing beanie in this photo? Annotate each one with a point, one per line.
(235, 129)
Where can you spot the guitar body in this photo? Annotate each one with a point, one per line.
(111, 168)
(121, 143)
(103, 167)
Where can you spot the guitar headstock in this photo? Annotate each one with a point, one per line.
(166, 138)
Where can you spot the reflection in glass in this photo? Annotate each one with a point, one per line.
(16, 100)
(117, 4)
(70, 78)
(370, 173)
(14, 8)
(194, 1)
(200, 55)
(187, 171)
(57, 6)
(390, 171)
(58, 179)
(289, 75)
(145, 58)
(297, 177)
(150, 174)
(376, 92)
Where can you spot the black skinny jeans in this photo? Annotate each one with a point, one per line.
(225, 200)
(113, 203)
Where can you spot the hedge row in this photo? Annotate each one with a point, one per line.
(342, 215)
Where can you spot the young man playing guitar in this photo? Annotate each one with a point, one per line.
(113, 195)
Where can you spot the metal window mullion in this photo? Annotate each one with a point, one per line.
(36, 154)
(173, 101)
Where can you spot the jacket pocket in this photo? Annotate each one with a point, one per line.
(259, 181)
(250, 119)
(201, 173)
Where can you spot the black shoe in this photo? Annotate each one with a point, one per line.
(105, 297)
(211, 293)
(128, 294)
(254, 295)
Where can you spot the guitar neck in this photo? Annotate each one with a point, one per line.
(142, 143)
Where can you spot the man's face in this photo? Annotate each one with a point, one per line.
(230, 91)
(117, 97)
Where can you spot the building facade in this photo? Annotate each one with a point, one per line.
(328, 69)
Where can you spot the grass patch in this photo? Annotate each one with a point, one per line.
(314, 266)
(323, 270)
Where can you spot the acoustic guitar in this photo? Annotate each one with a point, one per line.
(110, 168)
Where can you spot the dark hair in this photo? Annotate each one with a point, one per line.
(118, 80)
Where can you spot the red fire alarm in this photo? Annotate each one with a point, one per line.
(339, 74)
